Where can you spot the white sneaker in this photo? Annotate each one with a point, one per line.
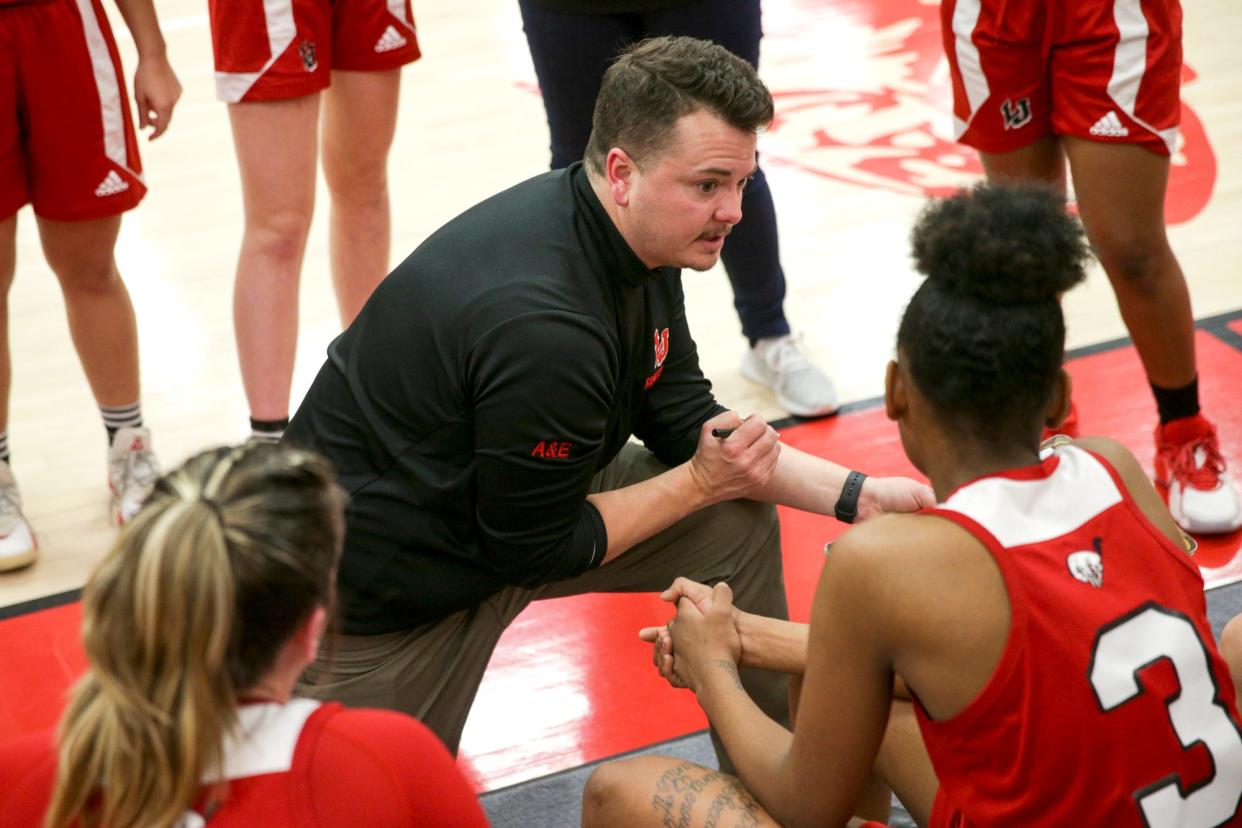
(132, 471)
(801, 388)
(1202, 497)
(17, 543)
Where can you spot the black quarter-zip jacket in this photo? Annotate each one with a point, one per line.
(483, 385)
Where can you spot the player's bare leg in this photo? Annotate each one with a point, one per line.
(661, 790)
(1120, 190)
(105, 334)
(1044, 160)
(276, 144)
(101, 316)
(359, 120)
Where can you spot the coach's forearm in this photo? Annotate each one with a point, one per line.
(771, 643)
(803, 481)
(637, 512)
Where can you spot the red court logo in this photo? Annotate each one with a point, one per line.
(863, 97)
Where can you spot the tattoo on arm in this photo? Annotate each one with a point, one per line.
(731, 668)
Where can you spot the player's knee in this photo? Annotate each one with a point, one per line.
(92, 275)
(1138, 264)
(357, 181)
(279, 236)
(603, 796)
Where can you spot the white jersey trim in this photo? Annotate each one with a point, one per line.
(1130, 65)
(1023, 512)
(969, 64)
(108, 87)
(265, 740)
(231, 87)
(397, 9)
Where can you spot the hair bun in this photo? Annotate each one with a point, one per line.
(1004, 244)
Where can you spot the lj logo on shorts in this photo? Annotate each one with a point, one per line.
(307, 50)
(1016, 115)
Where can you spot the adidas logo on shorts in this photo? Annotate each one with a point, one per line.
(1109, 127)
(389, 40)
(111, 185)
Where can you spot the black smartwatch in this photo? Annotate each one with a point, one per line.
(847, 504)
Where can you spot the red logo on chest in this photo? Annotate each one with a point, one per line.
(661, 353)
(661, 347)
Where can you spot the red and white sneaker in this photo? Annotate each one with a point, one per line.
(132, 472)
(1202, 497)
(17, 542)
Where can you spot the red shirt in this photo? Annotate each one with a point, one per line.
(296, 764)
(1110, 705)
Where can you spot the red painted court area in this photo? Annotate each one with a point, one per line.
(570, 682)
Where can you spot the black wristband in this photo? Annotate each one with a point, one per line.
(847, 504)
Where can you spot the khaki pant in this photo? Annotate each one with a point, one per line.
(433, 671)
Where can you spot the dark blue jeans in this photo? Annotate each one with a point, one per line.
(571, 52)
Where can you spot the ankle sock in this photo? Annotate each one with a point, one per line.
(117, 417)
(1175, 403)
(269, 430)
(4, 446)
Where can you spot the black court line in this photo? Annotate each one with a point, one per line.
(36, 604)
(1217, 326)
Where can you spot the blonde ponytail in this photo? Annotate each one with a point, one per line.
(164, 632)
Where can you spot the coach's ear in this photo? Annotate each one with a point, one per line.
(619, 169)
(1058, 407)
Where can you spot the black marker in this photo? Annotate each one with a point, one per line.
(722, 433)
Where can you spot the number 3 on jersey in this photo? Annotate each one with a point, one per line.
(1197, 714)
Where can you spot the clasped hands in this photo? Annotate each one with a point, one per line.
(701, 636)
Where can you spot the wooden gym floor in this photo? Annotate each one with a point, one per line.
(861, 139)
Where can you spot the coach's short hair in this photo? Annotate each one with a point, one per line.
(655, 82)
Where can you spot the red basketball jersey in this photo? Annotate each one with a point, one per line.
(296, 764)
(1110, 705)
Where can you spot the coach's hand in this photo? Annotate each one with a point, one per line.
(886, 495)
(725, 468)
